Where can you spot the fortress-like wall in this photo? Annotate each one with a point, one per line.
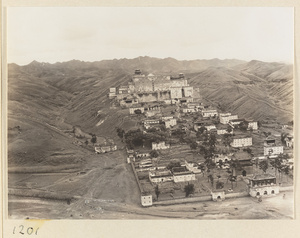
(188, 91)
(176, 92)
(143, 85)
(153, 88)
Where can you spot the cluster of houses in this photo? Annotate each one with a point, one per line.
(141, 96)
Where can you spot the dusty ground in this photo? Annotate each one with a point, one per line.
(242, 208)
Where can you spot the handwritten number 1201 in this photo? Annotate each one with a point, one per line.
(29, 230)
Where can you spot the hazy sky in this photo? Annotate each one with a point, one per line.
(52, 35)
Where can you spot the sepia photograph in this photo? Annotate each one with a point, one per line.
(150, 113)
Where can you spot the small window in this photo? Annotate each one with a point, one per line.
(258, 193)
(265, 193)
(272, 192)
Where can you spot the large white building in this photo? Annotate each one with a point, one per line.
(241, 142)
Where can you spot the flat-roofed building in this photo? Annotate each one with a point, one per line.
(241, 141)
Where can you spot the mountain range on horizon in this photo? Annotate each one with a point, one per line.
(188, 64)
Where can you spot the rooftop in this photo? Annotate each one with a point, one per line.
(242, 156)
(262, 177)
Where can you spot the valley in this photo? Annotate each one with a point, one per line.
(52, 174)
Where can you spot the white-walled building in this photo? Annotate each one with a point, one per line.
(289, 141)
(146, 200)
(160, 146)
(271, 148)
(160, 176)
(210, 127)
(193, 167)
(182, 174)
(253, 125)
(170, 123)
(209, 112)
(263, 185)
(222, 157)
(189, 110)
(241, 142)
(112, 93)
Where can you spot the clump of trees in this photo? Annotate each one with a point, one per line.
(136, 138)
(173, 164)
(243, 126)
(120, 132)
(189, 189)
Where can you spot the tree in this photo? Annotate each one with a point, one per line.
(157, 191)
(211, 179)
(227, 139)
(120, 132)
(201, 129)
(173, 164)
(243, 126)
(263, 165)
(259, 124)
(212, 140)
(189, 189)
(193, 145)
(229, 129)
(202, 168)
(219, 185)
(138, 111)
(232, 179)
(94, 139)
(286, 170)
(283, 137)
(248, 150)
(244, 173)
(154, 154)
